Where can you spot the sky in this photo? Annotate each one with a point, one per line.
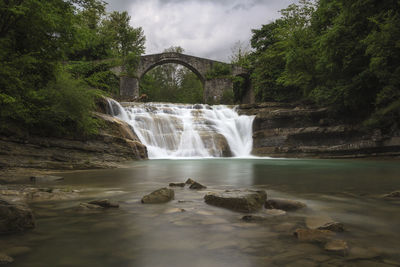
(203, 28)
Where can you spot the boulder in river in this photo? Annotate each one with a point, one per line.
(332, 226)
(15, 217)
(337, 246)
(177, 184)
(253, 218)
(284, 204)
(392, 195)
(197, 185)
(189, 181)
(313, 235)
(105, 203)
(159, 196)
(5, 259)
(238, 200)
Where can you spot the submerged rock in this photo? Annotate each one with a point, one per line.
(89, 207)
(275, 212)
(238, 200)
(177, 184)
(197, 185)
(45, 178)
(15, 217)
(313, 235)
(392, 195)
(105, 203)
(253, 218)
(332, 226)
(5, 259)
(313, 222)
(337, 246)
(284, 204)
(159, 196)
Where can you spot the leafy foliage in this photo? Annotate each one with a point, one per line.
(37, 94)
(344, 54)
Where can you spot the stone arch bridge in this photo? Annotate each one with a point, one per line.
(214, 88)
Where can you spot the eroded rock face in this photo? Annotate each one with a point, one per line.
(286, 130)
(177, 184)
(15, 217)
(238, 200)
(159, 196)
(284, 204)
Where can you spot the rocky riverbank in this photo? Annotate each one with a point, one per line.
(286, 130)
(114, 144)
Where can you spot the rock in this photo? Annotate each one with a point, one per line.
(15, 217)
(275, 212)
(313, 222)
(237, 200)
(174, 210)
(45, 178)
(105, 203)
(392, 195)
(197, 185)
(177, 184)
(332, 226)
(159, 196)
(284, 204)
(87, 207)
(253, 218)
(189, 181)
(5, 259)
(337, 246)
(313, 235)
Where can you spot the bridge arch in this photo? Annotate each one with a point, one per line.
(214, 89)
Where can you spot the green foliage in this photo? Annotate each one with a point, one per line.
(96, 74)
(228, 97)
(339, 53)
(37, 95)
(219, 70)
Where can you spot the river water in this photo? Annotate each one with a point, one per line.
(347, 191)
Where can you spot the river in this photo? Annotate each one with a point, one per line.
(188, 232)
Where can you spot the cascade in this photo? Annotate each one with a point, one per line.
(187, 130)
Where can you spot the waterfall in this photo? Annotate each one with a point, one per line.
(186, 130)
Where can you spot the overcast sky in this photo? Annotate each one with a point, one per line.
(204, 28)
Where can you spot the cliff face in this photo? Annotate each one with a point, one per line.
(284, 130)
(115, 142)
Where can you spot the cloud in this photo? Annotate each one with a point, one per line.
(205, 28)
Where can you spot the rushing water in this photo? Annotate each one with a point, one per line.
(348, 191)
(188, 131)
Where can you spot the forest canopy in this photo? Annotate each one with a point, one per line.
(344, 54)
(48, 76)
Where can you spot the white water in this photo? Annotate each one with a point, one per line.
(188, 131)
